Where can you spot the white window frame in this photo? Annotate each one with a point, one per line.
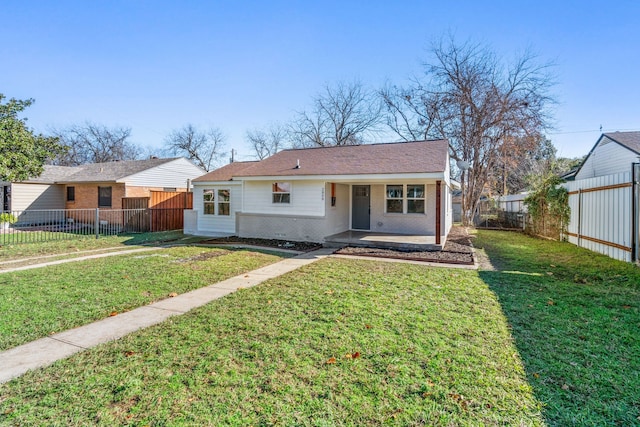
(387, 198)
(423, 198)
(215, 201)
(205, 202)
(221, 201)
(405, 199)
(274, 187)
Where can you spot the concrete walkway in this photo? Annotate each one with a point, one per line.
(43, 352)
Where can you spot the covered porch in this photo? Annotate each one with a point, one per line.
(413, 242)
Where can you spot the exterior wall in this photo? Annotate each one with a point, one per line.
(172, 174)
(606, 159)
(284, 227)
(87, 195)
(307, 198)
(36, 196)
(424, 224)
(217, 223)
(601, 219)
(447, 200)
(338, 215)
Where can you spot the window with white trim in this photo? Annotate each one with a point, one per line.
(224, 202)
(394, 198)
(415, 198)
(405, 199)
(209, 200)
(281, 192)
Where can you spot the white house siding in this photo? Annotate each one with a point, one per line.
(307, 198)
(37, 196)
(207, 224)
(603, 215)
(338, 215)
(606, 159)
(402, 223)
(172, 174)
(447, 199)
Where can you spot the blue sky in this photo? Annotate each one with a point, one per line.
(157, 65)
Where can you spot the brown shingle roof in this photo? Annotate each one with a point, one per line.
(631, 140)
(225, 173)
(391, 158)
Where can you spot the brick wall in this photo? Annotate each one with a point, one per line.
(87, 196)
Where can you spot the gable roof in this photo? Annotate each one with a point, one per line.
(227, 172)
(51, 174)
(630, 140)
(96, 172)
(391, 158)
(112, 171)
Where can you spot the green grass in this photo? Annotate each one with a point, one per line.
(575, 319)
(433, 348)
(75, 243)
(36, 303)
(551, 338)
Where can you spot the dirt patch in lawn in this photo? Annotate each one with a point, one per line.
(267, 243)
(457, 250)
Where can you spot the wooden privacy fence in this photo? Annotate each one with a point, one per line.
(163, 210)
(605, 214)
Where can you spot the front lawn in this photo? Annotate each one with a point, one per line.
(36, 303)
(551, 338)
(339, 342)
(63, 243)
(575, 319)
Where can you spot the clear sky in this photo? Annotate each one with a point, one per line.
(237, 65)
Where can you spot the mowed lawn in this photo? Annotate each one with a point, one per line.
(38, 302)
(575, 320)
(549, 339)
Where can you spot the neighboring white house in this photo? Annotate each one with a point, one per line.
(97, 185)
(605, 198)
(613, 153)
(309, 194)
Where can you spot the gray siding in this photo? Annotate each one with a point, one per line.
(37, 196)
(284, 227)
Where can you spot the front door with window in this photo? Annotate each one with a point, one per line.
(361, 207)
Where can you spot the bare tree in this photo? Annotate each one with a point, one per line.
(267, 142)
(204, 148)
(344, 114)
(94, 143)
(478, 103)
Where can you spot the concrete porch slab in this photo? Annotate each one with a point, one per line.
(383, 240)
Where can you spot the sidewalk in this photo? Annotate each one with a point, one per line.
(43, 352)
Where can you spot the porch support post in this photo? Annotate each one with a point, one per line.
(438, 212)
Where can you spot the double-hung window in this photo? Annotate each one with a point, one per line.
(405, 198)
(224, 202)
(217, 201)
(415, 198)
(281, 192)
(209, 200)
(394, 198)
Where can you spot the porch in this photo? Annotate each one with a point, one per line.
(413, 242)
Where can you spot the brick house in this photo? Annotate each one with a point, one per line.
(97, 185)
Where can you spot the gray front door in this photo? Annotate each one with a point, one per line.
(361, 207)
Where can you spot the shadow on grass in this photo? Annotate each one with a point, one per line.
(575, 319)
